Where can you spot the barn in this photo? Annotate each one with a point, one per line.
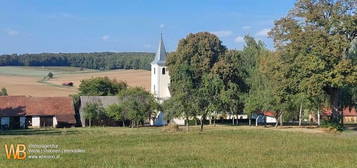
(35, 112)
(105, 101)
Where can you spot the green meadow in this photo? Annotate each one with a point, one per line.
(221, 146)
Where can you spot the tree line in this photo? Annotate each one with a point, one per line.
(313, 67)
(96, 60)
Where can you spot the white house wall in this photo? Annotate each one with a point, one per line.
(36, 121)
(54, 121)
(270, 119)
(178, 121)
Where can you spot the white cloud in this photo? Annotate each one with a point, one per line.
(246, 27)
(162, 26)
(239, 39)
(263, 33)
(223, 33)
(105, 37)
(12, 32)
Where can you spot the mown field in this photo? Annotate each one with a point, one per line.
(221, 146)
(29, 81)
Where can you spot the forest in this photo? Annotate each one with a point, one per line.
(96, 60)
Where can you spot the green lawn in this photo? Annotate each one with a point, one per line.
(221, 146)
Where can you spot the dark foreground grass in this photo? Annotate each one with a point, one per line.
(220, 146)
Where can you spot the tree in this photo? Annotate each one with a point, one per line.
(196, 54)
(3, 92)
(50, 75)
(208, 100)
(257, 63)
(181, 105)
(101, 86)
(137, 104)
(93, 111)
(231, 70)
(313, 43)
(116, 112)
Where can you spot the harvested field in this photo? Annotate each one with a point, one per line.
(29, 80)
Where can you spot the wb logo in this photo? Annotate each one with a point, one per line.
(18, 154)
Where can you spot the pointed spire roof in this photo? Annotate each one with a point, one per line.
(160, 57)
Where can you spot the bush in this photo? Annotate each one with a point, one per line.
(172, 127)
(333, 126)
(50, 75)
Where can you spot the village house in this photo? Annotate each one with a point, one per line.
(349, 114)
(35, 112)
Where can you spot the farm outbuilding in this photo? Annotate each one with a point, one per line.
(35, 112)
(105, 101)
(266, 117)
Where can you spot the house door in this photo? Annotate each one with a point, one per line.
(14, 122)
(46, 121)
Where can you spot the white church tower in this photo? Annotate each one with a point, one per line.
(160, 80)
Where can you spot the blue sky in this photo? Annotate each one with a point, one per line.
(34, 26)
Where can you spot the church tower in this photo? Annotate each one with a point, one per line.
(160, 81)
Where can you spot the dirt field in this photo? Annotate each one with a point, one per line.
(29, 84)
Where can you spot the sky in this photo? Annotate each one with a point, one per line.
(36, 26)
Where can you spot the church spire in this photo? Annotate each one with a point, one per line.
(160, 57)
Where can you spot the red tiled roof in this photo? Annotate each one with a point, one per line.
(61, 107)
(347, 111)
(269, 113)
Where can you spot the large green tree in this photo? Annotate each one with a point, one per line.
(231, 70)
(101, 86)
(196, 54)
(312, 42)
(93, 112)
(116, 112)
(137, 104)
(259, 63)
(181, 105)
(270, 87)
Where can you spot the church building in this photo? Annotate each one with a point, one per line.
(160, 82)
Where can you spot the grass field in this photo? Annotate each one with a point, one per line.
(221, 146)
(29, 80)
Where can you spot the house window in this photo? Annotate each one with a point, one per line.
(154, 71)
(163, 71)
